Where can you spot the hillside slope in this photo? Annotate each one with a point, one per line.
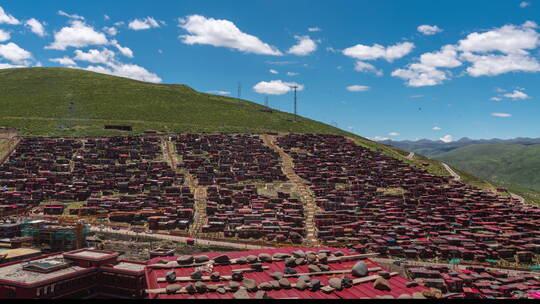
(503, 163)
(70, 102)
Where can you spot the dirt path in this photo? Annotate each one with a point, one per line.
(456, 176)
(7, 148)
(306, 196)
(410, 156)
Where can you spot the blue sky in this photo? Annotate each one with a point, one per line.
(381, 69)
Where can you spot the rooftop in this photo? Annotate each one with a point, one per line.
(15, 273)
(154, 277)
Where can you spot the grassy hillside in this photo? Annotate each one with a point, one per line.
(501, 163)
(75, 103)
(70, 102)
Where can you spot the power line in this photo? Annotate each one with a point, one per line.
(239, 89)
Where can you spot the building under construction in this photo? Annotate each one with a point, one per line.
(55, 238)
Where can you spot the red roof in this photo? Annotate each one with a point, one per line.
(398, 283)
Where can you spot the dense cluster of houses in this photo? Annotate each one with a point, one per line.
(401, 211)
(229, 164)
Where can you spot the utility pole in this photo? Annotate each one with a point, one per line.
(266, 101)
(295, 88)
(239, 89)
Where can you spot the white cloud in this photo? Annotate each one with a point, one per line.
(143, 24)
(429, 29)
(365, 67)
(123, 50)
(64, 61)
(417, 96)
(36, 27)
(380, 138)
(394, 134)
(447, 139)
(530, 24)
(445, 58)
(304, 47)
(524, 4)
(14, 53)
(314, 29)
(127, 70)
(276, 87)
(4, 36)
(495, 98)
(78, 34)
(273, 71)
(76, 17)
(390, 53)
(220, 92)
(291, 74)
(358, 88)
(517, 95)
(11, 66)
(104, 56)
(508, 39)
(106, 17)
(7, 18)
(419, 75)
(493, 65)
(112, 31)
(426, 73)
(437, 128)
(501, 114)
(222, 33)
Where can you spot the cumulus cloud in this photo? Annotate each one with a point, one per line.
(517, 95)
(222, 33)
(365, 67)
(394, 134)
(358, 88)
(426, 72)
(376, 51)
(501, 114)
(380, 138)
(496, 98)
(508, 39)
(429, 29)
(437, 128)
(7, 18)
(291, 74)
(4, 36)
(36, 27)
(78, 34)
(524, 4)
(123, 50)
(126, 70)
(447, 139)
(276, 87)
(314, 29)
(493, 65)
(143, 24)
(273, 71)
(70, 16)
(420, 75)
(64, 61)
(304, 47)
(105, 56)
(15, 53)
(111, 31)
(490, 53)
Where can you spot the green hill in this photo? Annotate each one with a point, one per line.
(501, 163)
(70, 102)
(77, 103)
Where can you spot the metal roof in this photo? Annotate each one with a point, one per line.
(364, 290)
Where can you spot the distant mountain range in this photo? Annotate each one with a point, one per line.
(433, 148)
(512, 161)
